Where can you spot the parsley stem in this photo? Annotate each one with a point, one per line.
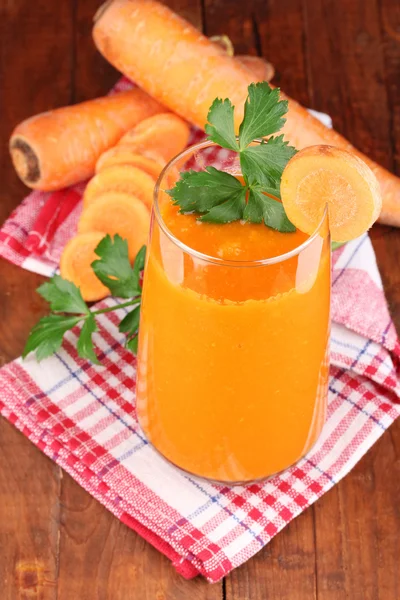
(134, 300)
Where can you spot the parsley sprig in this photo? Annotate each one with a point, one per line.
(68, 308)
(219, 197)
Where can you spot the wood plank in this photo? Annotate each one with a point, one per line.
(188, 9)
(281, 34)
(30, 82)
(359, 521)
(29, 519)
(99, 556)
(234, 19)
(386, 240)
(345, 69)
(356, 551)
(29, 483)
(92, 75)
(285, 569)
(390, 28)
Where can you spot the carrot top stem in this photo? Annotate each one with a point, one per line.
(101, 311)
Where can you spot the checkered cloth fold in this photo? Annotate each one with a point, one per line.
(83, 416)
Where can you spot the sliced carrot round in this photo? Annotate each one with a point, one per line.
(321, 176)
(118, 212)
(75, 265)
(127, 155)
(166, 133)
(121, 178)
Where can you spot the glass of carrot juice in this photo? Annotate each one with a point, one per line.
(234, 338)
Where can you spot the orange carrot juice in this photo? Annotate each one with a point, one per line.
(233, 349)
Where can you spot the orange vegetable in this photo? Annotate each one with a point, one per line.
(123, 154)
(261, 68)
(320, 176)
(169, 58)
(60, 147)
(188, 81)
(120, 178)
(75, 263)
(166, 133)
(117, 212)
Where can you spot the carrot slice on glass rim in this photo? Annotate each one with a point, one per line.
(324, 175)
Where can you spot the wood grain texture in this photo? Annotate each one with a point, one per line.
(56, 542)
(29, 482)
(284, 570)
(29, 519)
(357, 527)
(102, 559)
(356, 555)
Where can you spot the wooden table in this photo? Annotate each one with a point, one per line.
(56, 541)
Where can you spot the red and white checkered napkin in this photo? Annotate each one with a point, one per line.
(83, 416)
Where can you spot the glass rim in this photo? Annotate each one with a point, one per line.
(214, 259)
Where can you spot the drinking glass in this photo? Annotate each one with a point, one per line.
(233, 355)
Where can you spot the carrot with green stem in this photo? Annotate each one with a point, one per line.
(186, 71)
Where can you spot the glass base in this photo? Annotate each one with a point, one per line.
(219, 481)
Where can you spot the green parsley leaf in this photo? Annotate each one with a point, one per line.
(114, 268)
(140, 260)
(46, 337)
(219, 197)
(254, 210)
(85, 342)
(63, 296)
(199, 191)
(271, 211)
(130, 323)
(231, 210)
(265, 163)
(220, 127)
(132, 344)
(263, 113)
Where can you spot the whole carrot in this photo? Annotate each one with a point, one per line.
(185, 71)
(59, 148)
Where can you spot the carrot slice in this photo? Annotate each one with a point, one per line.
(127, 155)
(75, 265)
(118, 212)
(322, 176)
(167, 134)
(121, 178)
